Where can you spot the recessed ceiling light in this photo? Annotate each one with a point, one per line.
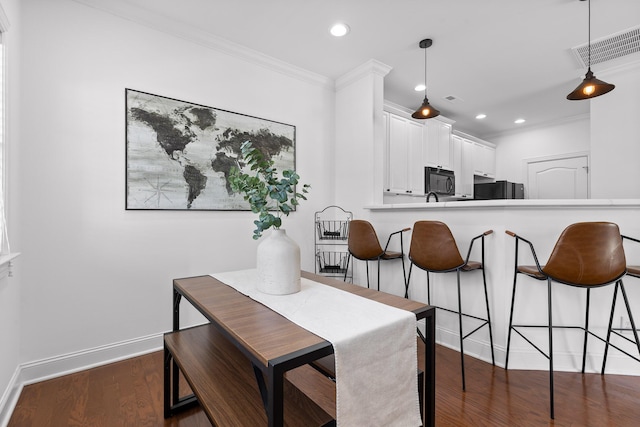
(419, 88)
(339, 30)
(519, 121)
(481, 116)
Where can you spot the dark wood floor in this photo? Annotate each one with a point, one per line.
(129, 393)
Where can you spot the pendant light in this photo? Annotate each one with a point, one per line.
(590, 86)
(426, 111)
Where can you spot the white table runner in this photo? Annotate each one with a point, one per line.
(374, 344)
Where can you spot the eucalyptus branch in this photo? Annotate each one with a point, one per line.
(264, 190)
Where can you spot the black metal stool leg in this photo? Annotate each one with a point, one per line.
(586, 331)
(486, 301)
(550, 351)
(620, 284)
(460, 326)
(404, 271)
(613, 308)
(346, 269)
(404, 275)
(633, 323)
(513, 299)
(378, 274)
(367, 262)
(409, 279)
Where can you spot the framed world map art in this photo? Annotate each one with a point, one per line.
(179, 154)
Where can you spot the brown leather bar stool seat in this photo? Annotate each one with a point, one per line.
(586, 255)
(363, 244)
(434, 250)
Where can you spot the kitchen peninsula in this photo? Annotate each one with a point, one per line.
(541, 222)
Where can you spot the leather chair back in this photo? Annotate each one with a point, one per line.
(363, 241)
(433, 247)
(587, 253)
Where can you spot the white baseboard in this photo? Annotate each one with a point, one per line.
(10, 398)
(40, 370)
(531, 359)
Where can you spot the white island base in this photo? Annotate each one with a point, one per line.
(541, 222)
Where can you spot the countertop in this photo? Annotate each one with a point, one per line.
(512, 204)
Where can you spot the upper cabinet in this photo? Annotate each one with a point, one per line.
(462, 160)
(405, 155)
(484, 160)
(438, 141)
(410, 146)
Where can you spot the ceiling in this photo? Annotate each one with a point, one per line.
(505, 58)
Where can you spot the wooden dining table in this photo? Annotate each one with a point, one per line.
(283, 388)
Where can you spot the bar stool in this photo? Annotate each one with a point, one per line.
(434, 250)
(363, 244)
(633, 271)
(586, 255)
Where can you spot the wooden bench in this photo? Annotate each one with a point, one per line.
(224, 383)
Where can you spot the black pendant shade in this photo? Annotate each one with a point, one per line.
(590, 86)
(426, 110)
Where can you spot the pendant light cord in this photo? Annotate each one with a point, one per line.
(589, 39)
(425, 73)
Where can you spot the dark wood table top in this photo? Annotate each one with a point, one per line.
(264, 333)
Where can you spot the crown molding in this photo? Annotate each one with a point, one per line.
(372, 66)
(152, 20)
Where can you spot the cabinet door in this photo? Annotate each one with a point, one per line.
(439, 144)
(444, 145)
(398, 154)
(465, 187)
(484, 163)
(490, 161)
(478, 159)
(456, 157)
(415, 159)
(385, 165)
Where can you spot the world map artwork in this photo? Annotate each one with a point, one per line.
(179, 154)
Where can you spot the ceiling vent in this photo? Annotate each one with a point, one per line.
(608, 48)
(453, 99)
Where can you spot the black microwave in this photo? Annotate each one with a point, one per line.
(439, 181)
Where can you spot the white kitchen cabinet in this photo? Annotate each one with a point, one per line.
(484, 160)
(438, 141)
(405, 156)
(462, 161)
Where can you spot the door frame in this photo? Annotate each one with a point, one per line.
(526, 162)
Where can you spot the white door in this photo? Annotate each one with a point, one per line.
(561, 178)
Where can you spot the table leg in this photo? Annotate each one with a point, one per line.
(275, 398)
(176, 326)
(167, 381)
(430, 371)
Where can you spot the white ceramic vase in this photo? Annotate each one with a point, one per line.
(278, 264)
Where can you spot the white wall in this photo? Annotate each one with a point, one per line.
(10, 321)
(92, 273)
(615, 130)
(569, 136)
(359, 137)
(610, 134)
